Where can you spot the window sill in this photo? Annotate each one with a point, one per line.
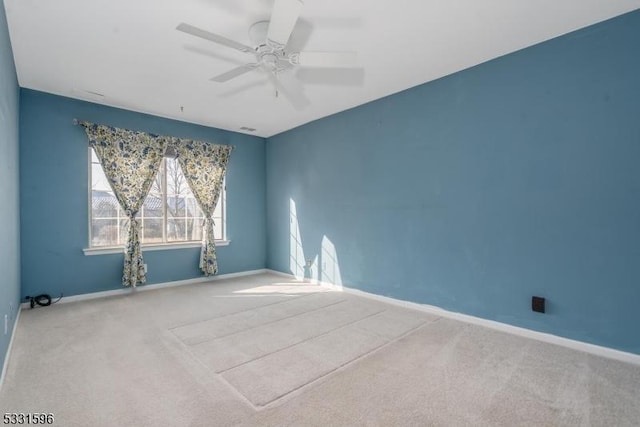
(152, 247)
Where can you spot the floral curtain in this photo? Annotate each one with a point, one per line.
(130, 161)
(203, 165)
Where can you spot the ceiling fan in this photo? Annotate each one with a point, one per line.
(270, 39)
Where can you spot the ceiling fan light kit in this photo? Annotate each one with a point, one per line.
(270, 39)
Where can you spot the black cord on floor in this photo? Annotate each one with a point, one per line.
(42, 300)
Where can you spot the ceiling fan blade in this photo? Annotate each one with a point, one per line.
(238, 71)
(283, 18)
(328, 59)
(195, 31)
(292, 91)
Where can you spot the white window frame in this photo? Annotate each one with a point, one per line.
(100, 250)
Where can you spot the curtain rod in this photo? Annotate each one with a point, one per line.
(77, 122)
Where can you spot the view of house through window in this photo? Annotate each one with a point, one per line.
(170, 213)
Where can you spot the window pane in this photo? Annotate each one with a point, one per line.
(105, 209)
(152, 206)
(104, 205)
(152, 230)
(176, 229)
(98, 179)
(104, 232)
(176, 182)
(176, 206)
(184, 229)
(217, 229)
(218, 209)
(192, 208)
(184, 221)
(194, 229)
(184, 218)
(124, 228)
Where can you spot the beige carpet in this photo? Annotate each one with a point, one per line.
(266, 351)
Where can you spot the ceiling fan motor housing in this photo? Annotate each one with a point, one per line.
(270, 54)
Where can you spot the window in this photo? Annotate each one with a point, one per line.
(169, 215)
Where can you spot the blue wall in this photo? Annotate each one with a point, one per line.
(9, 205)
(54, 205)
(514, 178)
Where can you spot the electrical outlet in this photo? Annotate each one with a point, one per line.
(537, 304)
(145, 268)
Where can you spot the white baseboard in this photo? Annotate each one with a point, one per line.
(492, 324)
(8, 353)
(290, 276)
(152, 286)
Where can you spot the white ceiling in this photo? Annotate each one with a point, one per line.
(129, 50)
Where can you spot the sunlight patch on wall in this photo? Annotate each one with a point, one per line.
(330, 267)
(297, 262)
